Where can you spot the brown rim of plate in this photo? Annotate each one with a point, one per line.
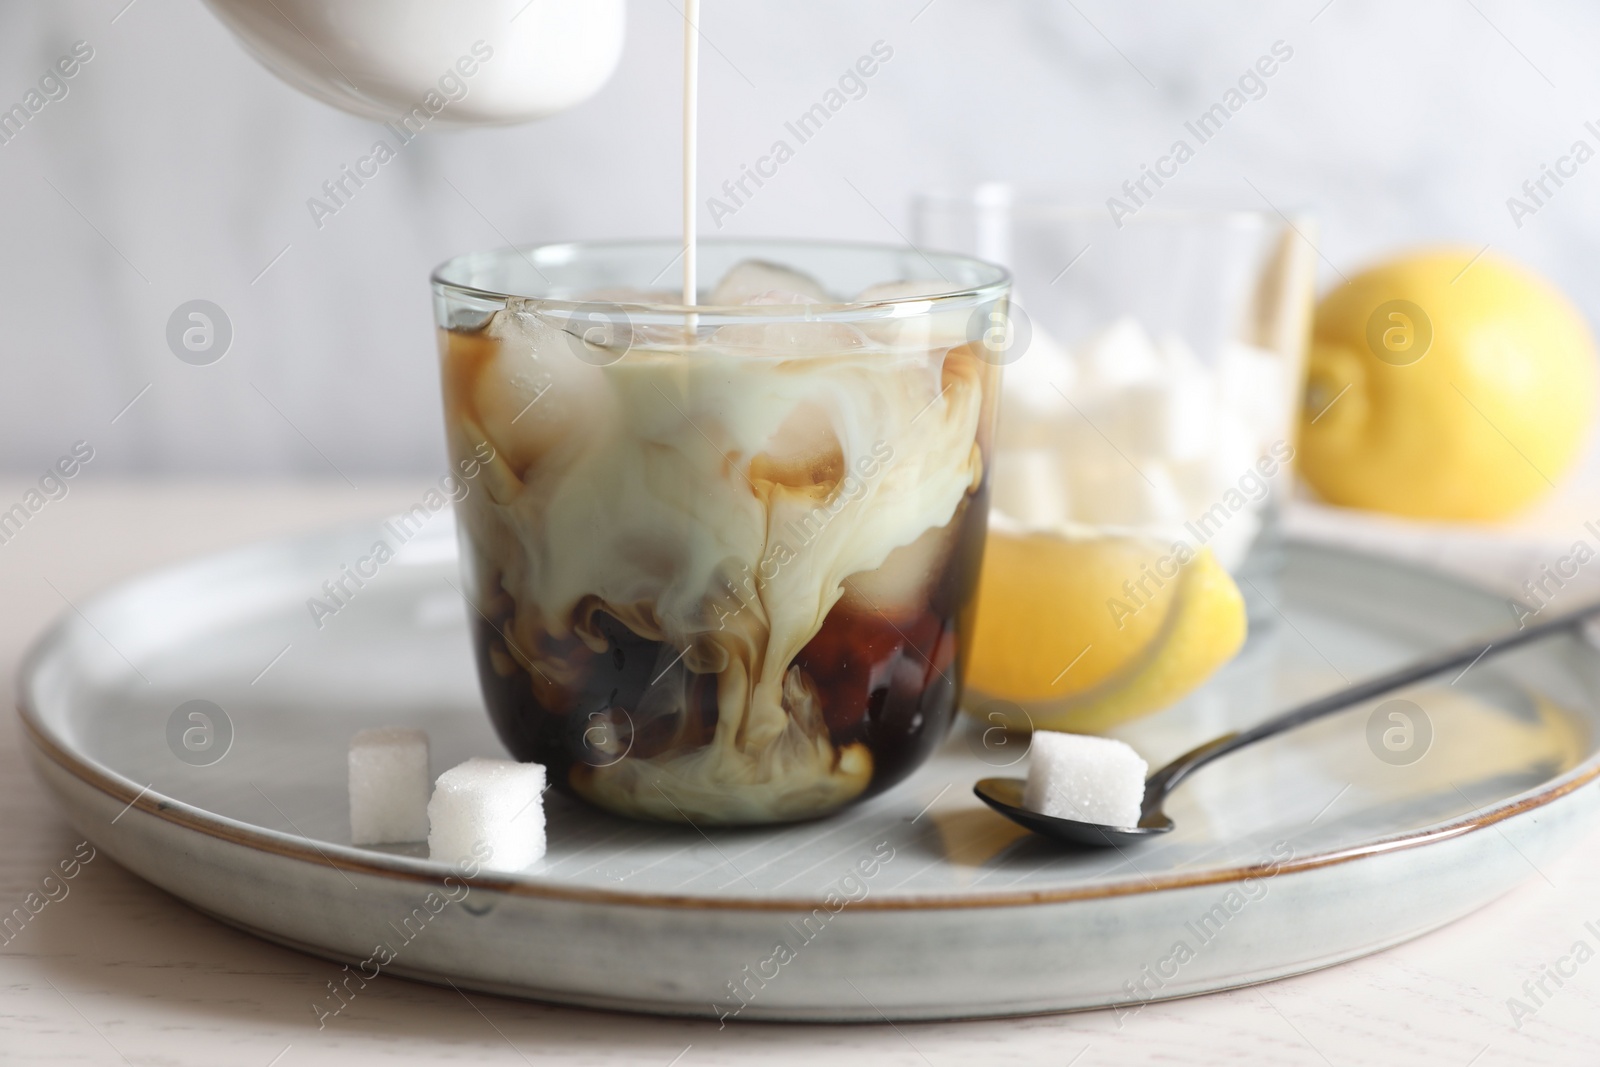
(348, 858)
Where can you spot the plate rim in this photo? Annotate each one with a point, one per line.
(348, 858)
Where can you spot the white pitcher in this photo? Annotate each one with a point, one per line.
(382, 58)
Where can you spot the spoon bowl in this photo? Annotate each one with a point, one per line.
(1005, 796)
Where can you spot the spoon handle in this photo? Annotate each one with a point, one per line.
(1165, 779)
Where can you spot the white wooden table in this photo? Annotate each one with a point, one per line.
(119, 972)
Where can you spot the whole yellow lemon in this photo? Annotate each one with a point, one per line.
(1442, 387)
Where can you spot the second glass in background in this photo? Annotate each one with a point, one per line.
(1145, 438)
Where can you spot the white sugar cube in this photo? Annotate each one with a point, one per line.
(1114, 492)
(492, 802)
(1039, 382)
(1178, 357)
(1120, 355)
(1030, 488)
(1170, 419)
(1233, 455)
(1089, 779)
(1253, 384)
(1232, 542)
(388, 786)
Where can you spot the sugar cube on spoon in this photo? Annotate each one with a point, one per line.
(1090, 779)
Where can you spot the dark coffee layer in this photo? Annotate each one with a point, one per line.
(891, 682)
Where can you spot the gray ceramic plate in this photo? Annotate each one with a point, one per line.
(921, 904)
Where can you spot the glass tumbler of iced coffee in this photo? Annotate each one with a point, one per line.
(722, 557)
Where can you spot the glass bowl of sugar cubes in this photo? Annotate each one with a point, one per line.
(1152, 381)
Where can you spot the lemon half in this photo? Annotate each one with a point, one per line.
(1084, 633)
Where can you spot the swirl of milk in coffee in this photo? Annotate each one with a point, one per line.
(719, 497)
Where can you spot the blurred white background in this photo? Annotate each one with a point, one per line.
(176, 168)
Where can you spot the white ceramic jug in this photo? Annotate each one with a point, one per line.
(484, 62)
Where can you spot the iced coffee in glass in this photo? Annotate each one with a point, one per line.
(721, 558)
